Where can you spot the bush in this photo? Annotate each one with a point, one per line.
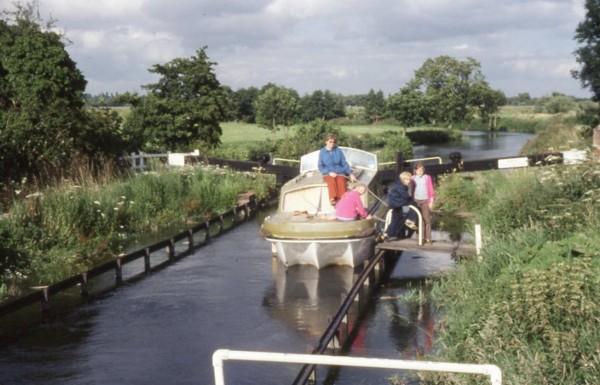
(530, 305)
(395, 142)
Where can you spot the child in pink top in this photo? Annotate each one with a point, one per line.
(349, 207)
(424, 195)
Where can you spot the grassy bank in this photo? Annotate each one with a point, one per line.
(531, 305)
(65, 230)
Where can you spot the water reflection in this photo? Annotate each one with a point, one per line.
(305, 298)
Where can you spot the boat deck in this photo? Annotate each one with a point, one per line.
(458, 248)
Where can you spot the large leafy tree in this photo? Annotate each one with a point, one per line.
(277, 107)
(185, 106)
(588, 54)
(454, 90)
(41, 96)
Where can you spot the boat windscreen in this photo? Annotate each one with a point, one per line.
(355, 158)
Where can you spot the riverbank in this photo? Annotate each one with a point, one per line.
(530, 305)
(64, 230)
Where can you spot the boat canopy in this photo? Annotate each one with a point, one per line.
(356, 159)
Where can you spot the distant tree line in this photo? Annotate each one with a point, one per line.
(47, 121)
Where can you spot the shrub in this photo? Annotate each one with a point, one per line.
(530, 305)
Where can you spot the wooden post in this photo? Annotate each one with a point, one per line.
(171, 249)
(118, 271)
(84, 284)
(147, 267)
(190, 239)
(45, 301)
(207, 237)
(221, 224)
(246, 211)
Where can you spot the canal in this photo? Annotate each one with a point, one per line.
(230, 294)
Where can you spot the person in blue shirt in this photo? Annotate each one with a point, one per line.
(334, 168)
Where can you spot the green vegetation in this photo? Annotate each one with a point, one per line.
(43, 123)
(530, 305)
(185, 106)
(64, 230)
(587, 35)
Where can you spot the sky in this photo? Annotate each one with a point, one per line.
(348, 46)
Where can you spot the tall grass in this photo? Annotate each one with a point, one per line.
(67, 229)
(531, 305)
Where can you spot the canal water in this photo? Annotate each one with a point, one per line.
(478, 145)
(230, 294)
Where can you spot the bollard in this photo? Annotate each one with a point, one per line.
(221, 224)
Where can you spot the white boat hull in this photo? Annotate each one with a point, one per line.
(323, 252)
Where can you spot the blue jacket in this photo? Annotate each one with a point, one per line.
(333, 161)
(399, 196)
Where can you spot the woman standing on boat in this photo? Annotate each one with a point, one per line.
(334, 168)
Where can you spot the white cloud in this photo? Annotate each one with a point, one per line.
(346, 46)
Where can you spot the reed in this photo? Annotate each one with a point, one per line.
(65, 229)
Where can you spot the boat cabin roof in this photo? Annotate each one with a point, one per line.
(356, 159)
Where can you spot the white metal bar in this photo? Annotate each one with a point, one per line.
(439, 159)
(492, 371)
(420, 226)
(274, 161)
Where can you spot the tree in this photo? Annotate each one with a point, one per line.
(185, 106)
(375, 105)
(321, 105)
(246, 98)
(41, 96)
(447, 81)
(485, 99)
(276, 106)
(588, 54)
(409, 106)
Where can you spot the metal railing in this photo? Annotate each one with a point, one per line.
(338, 329)
(438, 158)
(388, 219)
(279, 160)
(219, 356)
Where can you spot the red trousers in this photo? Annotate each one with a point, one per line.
(336, 186)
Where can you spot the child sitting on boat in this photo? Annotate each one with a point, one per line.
(350, 207)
